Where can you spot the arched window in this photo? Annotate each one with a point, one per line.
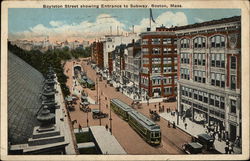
(185, 43)
(217, 41)
(199, 42)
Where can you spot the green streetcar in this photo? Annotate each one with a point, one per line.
(145, 127)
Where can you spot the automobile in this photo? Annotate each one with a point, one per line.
(117, 89)
(96, 114)
(84, 104)
(155, 116)
(206, 140)
(192, 148)
(85, 109)
(170, 99)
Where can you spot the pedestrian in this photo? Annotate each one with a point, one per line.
(219, 136)
(80, 128)
(185, 126)
(148, 103)
(155, 106)
(214, 133)
(168, 124)
(227, 142)
(173, 124)
(107, 127)
(106, 105)
(232, 147)
(226, 150)
(163, 108)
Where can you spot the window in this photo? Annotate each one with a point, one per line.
(167, 69)
(218, 60)
(185, 58)
(217, 83)
(205, 97)
(145, 51)
(223, 81)
(233, 62)
(166, 41)
(199, 42)
(218, 80)
(199, 76)
(233, 82)
(185, 43)
(175, 79)
(156, 60)
(199, 59)
(217, 101)
(217, 41)
(144, 41)
(145, 61)
(211, 102)
(190, 92)
(165, 50)
(175, 41)
(167, 90)
(156, 41)
(185, 73)
(195, 94)
(233, 106)
(222, 103)
(156, 69)
(156, 51)
(200, 96)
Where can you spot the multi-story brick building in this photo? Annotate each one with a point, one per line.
(97, 54)
(159, 63)
(209, 79)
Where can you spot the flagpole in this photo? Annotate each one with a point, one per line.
(150, 18)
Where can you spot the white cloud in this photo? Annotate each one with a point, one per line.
(56, 23)
(167, 19)
(98, 28)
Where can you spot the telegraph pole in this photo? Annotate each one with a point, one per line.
(100, 120)
(97, 90)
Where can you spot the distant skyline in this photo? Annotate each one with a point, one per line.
(88, 24)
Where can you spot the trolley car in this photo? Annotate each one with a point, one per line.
(120, 108)
(145, 127)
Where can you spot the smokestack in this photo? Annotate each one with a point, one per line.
(117, 30)
(133, 28)
(110, 30)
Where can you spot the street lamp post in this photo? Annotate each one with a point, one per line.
(100, 120)
(87, 119)
(110, 120)
(97, 89)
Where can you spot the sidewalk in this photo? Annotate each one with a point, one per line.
(194, 129)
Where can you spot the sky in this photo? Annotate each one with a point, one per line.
(88, 24)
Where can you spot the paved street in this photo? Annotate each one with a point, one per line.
(196, 129)
(172, 139)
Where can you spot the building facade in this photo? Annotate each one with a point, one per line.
(132, 56)
(159, 63)
(209, 77)
(97, 54)
(111, 41)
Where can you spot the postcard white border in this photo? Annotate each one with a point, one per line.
(243, 5)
